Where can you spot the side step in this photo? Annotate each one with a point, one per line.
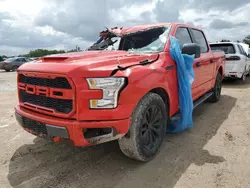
(202, 99)
(177, 116)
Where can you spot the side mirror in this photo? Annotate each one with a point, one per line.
(192, 49)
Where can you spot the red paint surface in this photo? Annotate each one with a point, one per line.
(78, 66)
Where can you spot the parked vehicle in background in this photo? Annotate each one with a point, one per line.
(248, 59)
(13, 63)
(1, 62)
(33, 58)
(128, 94)
(237, 59)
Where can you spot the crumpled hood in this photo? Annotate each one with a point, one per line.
(89, 63)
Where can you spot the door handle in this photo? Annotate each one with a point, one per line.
(211, 60)
(198, 64)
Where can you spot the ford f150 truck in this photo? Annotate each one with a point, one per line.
(128, 93)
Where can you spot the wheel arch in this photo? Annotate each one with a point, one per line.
(221, 71)
(164, 95)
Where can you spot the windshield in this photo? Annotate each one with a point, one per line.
(227, 48)
(152, 40)
(146, 41)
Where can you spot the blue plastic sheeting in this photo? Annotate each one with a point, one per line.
(185, 75)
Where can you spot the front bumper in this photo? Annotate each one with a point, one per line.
(59, 128)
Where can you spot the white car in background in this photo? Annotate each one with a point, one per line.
(237, 58)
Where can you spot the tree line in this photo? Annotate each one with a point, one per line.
(43, 52)
(246, 40)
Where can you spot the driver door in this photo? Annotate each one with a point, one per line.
(183, 35)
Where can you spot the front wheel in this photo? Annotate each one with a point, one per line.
(217, 89)
(147, 129)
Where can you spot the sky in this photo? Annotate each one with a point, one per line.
(62, 24)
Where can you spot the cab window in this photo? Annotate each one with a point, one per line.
(200, 40)
(183, 36)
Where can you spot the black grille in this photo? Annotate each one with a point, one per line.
(60, 105)
(35, 126)
(58, 82)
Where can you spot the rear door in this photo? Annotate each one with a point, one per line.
(205, 63)
(20, 61)
(16, 62)
(23, 60)
(184, 37)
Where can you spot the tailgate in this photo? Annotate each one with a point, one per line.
(233, 63)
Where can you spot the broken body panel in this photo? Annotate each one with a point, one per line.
(49, 84)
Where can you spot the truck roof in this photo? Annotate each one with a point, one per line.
(134, 29)
(224, 43)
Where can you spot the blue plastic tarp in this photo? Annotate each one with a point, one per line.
(185, 76)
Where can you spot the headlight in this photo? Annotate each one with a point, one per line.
(110, 87)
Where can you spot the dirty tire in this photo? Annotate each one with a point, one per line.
(217, 89)
(7, 70)
(14, 68)
(147, 129)
(248, 73)
(244, 77)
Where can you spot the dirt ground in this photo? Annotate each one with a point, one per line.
(215, 153)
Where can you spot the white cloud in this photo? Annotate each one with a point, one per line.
(219, 24)
(62, 24)
(25, 7)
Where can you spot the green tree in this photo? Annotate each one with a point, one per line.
(2, 57)
(77, 49)
(247, 40)
(225, 40)
(42, 52)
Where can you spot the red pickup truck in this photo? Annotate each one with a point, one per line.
(128, 93)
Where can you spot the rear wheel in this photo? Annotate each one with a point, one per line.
(248, 73)
(14, 68)
(244, 77)
(147, 129)
(7, 70)
(217, 89)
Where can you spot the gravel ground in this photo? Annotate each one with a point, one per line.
(215, 153)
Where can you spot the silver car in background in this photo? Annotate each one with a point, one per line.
(12, 64)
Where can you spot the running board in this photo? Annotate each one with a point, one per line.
(177, 116)
(202, 99)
